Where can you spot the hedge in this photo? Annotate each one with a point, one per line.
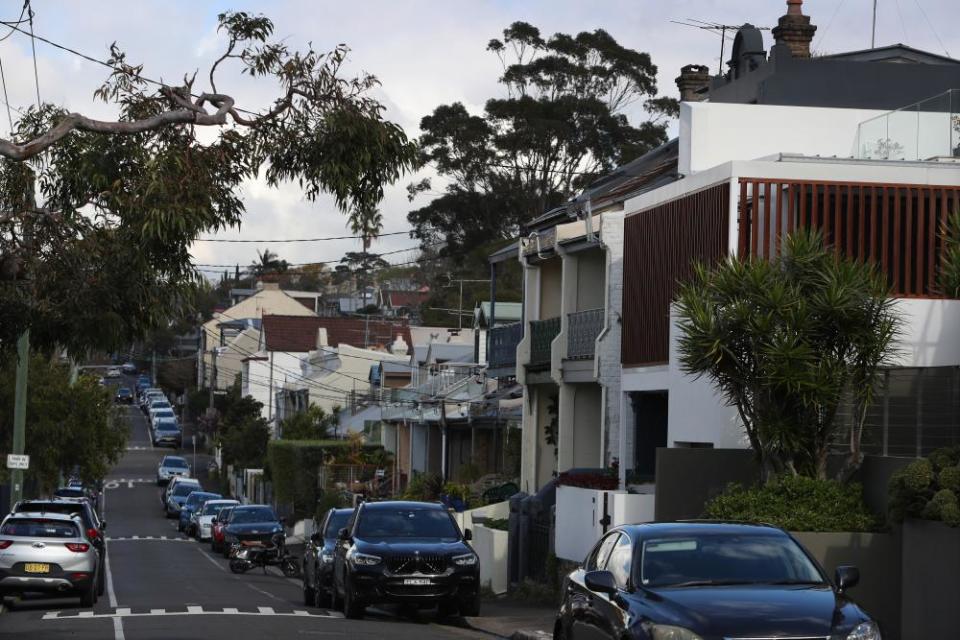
(294, 469)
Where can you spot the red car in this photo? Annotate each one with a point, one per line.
(216, 533)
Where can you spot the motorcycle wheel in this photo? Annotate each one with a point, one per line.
(239, 566)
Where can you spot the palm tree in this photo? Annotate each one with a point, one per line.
(269, 263)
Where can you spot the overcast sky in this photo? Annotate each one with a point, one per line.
(425, 53)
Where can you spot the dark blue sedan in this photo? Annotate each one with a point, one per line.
(707, 581)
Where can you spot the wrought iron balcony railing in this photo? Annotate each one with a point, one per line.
(583, 327)
(503, 345)
(542, 333)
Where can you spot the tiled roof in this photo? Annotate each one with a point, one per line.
(298, 334)
(408, 299)
(294, 334)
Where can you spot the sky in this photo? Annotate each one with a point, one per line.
(425, 53)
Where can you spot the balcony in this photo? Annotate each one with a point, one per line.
(503, 346)
(923, 131)
(542, 333)
(583, 327)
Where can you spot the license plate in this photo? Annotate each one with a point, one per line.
(36, 567)
(416, 581)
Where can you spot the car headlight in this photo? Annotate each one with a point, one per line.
(326, 557)
(466, 560)
(364, 559)
(669, 632)
(865, 631)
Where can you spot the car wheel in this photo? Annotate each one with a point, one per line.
(470, 608)
(309, 593)
(352, 607)
(88, 597)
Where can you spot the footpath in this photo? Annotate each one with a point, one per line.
(505, 618)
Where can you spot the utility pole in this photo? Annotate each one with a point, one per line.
(460, 305)
(873, 29)
(153, 367)
(20, 413)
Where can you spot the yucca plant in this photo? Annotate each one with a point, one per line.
(786, 341)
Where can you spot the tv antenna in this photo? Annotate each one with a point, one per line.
(716, 28)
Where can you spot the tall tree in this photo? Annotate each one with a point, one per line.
(97, 217)
(268, 263)
(787, 342)
(562, 123)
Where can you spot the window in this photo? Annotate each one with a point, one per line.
(407, 523)
(40, 528)
(621, 559)
(598, 557)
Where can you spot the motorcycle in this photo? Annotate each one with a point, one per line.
(249, 554)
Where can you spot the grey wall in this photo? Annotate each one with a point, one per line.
(931, 580)
(687, 478)
(877, 555)
(874, 475)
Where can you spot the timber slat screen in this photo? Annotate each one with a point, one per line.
(660, 247)
(896, 226)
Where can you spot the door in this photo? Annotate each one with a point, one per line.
(650, 431)
(611, 611)
(584, 623)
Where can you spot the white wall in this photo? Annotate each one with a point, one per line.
(931, 332)
(579, 512)
(714, 132)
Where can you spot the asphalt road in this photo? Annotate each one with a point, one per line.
(163, 585)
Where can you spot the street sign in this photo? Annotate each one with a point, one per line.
(18, 461)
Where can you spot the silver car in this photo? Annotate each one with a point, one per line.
(47, 552)
(202, 519)
(172, 467)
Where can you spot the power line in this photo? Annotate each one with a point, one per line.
(283, 240)
(33, 48)
(317, 262)
(932, 28)
(6, 98)
(19, 20)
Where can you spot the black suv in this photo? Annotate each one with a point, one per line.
(318, 557)
(405, 552)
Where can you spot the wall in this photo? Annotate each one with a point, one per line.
(550, 289)
(687, 478)
(712, 133)
(578, 515)
(546, 458)
(931, 580)
(418, 447)
(877, 555)
(930, 337)
(587, 426)
(607, 360)
(590, 279)
(230, 360)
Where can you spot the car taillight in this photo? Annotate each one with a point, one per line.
(92, 533)
(5, 543)
(78, 547)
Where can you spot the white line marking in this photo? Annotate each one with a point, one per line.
(210, 558)
(88, 615)
(118, 629)
(267, 611)
(301, 613)
(231, 610)
(50, 615)
(157, 612)
(262, 592)
(125, 611)
(194, 609)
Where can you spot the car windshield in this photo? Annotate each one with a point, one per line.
(70, 492)
(224, 513)
(184, 489)
(167, 425)
(163, 404)
(212, 509)
(39, 528)
(198, 498)
(175, 463)
(123, 391)
(255, 514)
(718, 559)
(406, 523)
(338, 520)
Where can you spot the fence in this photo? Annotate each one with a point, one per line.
(583, 327)
(542, 333)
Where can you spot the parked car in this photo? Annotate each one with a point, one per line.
(691, 580)
(193, 503)
(129, 368)
(113, 372)
(405, 552)
(174, 481)
(249, 523)
(94, 527)
(124, 396)
(166, 431)
(177, 496)
(203, 518)
(148, 397)
(317, 569)
(216, 531)
(158, 405)
(172, 467)
(47, 552)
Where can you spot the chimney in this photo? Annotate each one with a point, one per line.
(322, 338)
(794, 30)
(693, 78)
(399, 346)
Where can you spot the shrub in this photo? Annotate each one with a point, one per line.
(796, 503)
(605, 480)
(928, 488)
(500, 524)
(455, 490)
(425, 487)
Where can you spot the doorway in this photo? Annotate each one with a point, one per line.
(650, 431)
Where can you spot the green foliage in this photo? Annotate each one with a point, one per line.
(330, 500)
(242, 431)
(311, 424)
(500, 524)
(787, 341)
(425, 487)
(469, 472)
(949, 278)
(295, 469)
(928, 488)
(70, 428)
(113, 216)
(796, 503)
(455, 490)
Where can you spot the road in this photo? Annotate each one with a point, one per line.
(162, 585)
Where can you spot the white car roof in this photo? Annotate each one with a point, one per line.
(222, 501)
(45, 515)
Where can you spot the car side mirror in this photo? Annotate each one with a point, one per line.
(600, 582)
(343, 535)
(846, 577)
(467, 535)
(103, 524)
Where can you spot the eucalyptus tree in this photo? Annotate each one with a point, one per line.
(788, 342)
(97, 217)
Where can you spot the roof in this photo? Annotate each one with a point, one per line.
(395, 367)
(397, 299)
(506, 311)
(449, 352)
(402, 504)
(293, 334)
(361, 332)
(507, 252)
(896, 53)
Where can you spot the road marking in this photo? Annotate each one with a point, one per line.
(118, 629)
(126, 612)
(149, 539)
(210, 558)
